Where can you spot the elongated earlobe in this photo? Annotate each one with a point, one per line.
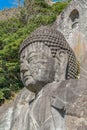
(61, 61)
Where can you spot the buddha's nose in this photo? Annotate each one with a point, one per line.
(24, 67)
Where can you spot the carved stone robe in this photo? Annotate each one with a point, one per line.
(40, 112)
(58, 106)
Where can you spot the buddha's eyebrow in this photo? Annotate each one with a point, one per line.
(31, 54)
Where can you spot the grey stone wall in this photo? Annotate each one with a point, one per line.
(73, 24)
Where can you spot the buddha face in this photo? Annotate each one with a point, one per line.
(37, 66)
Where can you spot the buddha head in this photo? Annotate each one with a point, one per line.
(46, 57)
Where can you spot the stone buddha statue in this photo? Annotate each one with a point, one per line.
(46, 57)
(46, 62)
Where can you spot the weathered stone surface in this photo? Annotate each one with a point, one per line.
(68, 98)
(51, 102)
(6, 116)
(73, 24)
(75, 123)
(76, 111)
(83, 67)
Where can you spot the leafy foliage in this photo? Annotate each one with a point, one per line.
(59, 6)
(12, 33)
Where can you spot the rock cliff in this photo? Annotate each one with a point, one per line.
(73, 24)
(9, 13)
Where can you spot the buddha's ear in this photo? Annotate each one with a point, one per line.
(61, 61)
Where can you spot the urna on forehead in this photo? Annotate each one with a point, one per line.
(48, 36)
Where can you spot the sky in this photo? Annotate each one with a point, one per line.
(5, 4)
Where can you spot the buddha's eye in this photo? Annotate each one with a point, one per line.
(23, 55)
(31, 59)
(22, 58)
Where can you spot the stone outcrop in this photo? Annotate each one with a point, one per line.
(9, 13)
(83, 67)
(69, 97)
(73, 24)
